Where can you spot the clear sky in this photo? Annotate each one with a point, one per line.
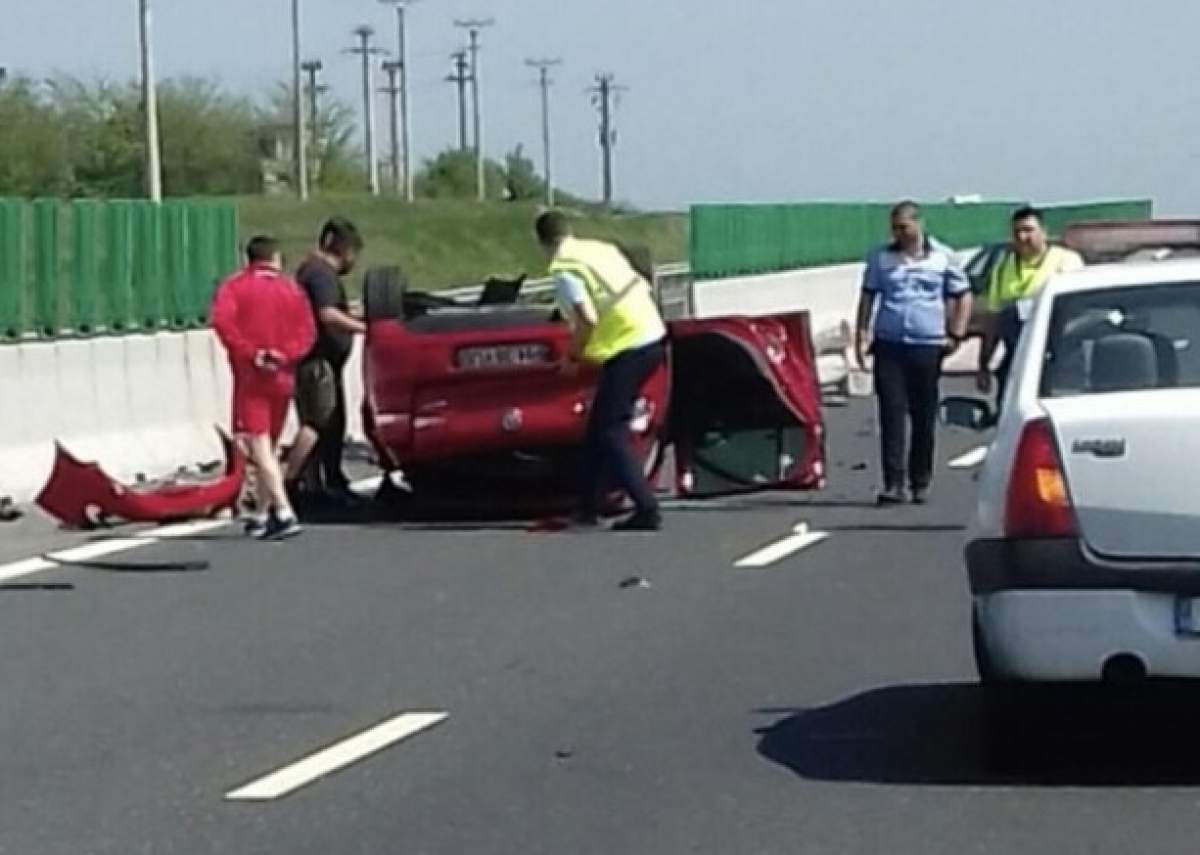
(762, 100)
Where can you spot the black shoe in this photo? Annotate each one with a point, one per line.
(278, 528)
(640, 521)
(892, 496)
(255, 527)
(342, 498)
(920, 495)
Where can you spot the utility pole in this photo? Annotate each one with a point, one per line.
(604, 95)
(462, 78)
(405, 114)
(392, 90)
(473, 27)
(314, 90)
(364, 49)
(150, 105)
(543, 66)
(299, 139)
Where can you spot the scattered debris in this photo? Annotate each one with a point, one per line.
(859, 467)
(9, 512)
(634, 582)
(564, 754)
(80, 495)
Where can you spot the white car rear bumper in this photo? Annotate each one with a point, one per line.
(1070, 635)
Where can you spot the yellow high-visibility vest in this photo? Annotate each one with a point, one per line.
(1013, 280)
(626, 314)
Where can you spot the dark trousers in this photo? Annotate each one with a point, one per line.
(608, 456)
(331, 444)
(1010, 336)
(907, 382)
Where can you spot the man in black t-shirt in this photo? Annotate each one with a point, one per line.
(320, 390)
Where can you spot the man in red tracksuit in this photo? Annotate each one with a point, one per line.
(264, 321)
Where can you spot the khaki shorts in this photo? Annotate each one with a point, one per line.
(316, 393)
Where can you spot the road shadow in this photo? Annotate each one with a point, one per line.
(949, 735)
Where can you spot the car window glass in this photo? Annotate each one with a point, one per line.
(1123, 340)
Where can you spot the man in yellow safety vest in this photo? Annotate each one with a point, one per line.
(1014, 282)
(616, 325)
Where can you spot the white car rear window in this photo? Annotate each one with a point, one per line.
(1123, 340)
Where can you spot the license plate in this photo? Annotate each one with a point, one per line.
(503, 356)
(1187, 616)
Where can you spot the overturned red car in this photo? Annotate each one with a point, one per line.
(473, 399)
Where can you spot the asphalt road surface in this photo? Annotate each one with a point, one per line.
(480, 688)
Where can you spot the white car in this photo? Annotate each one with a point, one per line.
(1084, 553)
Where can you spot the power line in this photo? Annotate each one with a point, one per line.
(366, 51)
(604, 95)
(473, 27)
(405, 110)
(544, 82)
(314, 90)
(461, 77)
(298, 138)
(150, 103)
(393, 90)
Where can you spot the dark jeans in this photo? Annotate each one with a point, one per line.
(1010, 327)
(907, 382)
(608, 456)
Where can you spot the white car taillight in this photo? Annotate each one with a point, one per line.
(1038, 503)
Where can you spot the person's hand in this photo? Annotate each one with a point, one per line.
(269, 361)
(983, 382)
(861, 347)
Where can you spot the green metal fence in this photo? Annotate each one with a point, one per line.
(731, 240)
(92, 267)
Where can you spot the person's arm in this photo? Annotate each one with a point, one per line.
(577, 307)
(866, 310)
(958, 302)
(224, 316)
(324, 292)
(335, 320)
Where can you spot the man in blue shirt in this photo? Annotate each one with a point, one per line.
(920, 301)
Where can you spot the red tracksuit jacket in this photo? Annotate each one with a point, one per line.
(262, 309)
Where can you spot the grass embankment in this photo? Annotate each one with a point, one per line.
(443, 244)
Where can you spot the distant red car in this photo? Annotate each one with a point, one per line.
(475, 394)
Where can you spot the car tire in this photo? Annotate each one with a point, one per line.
(383, 294)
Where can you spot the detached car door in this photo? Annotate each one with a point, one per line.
(746, 405)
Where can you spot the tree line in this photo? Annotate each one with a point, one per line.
(68, 137)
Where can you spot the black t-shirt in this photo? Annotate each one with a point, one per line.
(325, 290)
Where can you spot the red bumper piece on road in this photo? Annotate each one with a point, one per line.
(81, 495)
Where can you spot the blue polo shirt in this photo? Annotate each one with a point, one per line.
(911, 293)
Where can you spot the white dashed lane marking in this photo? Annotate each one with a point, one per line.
(104, 548)
(971, 459)
(341, 754)
(801, 538)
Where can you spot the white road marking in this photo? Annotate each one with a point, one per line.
(103, 548)
(181, 530)
(337, 756)
(96, 550)
(28, 567)
(801, 538)
(971, 459)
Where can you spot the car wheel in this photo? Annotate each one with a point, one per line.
(383, 294)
